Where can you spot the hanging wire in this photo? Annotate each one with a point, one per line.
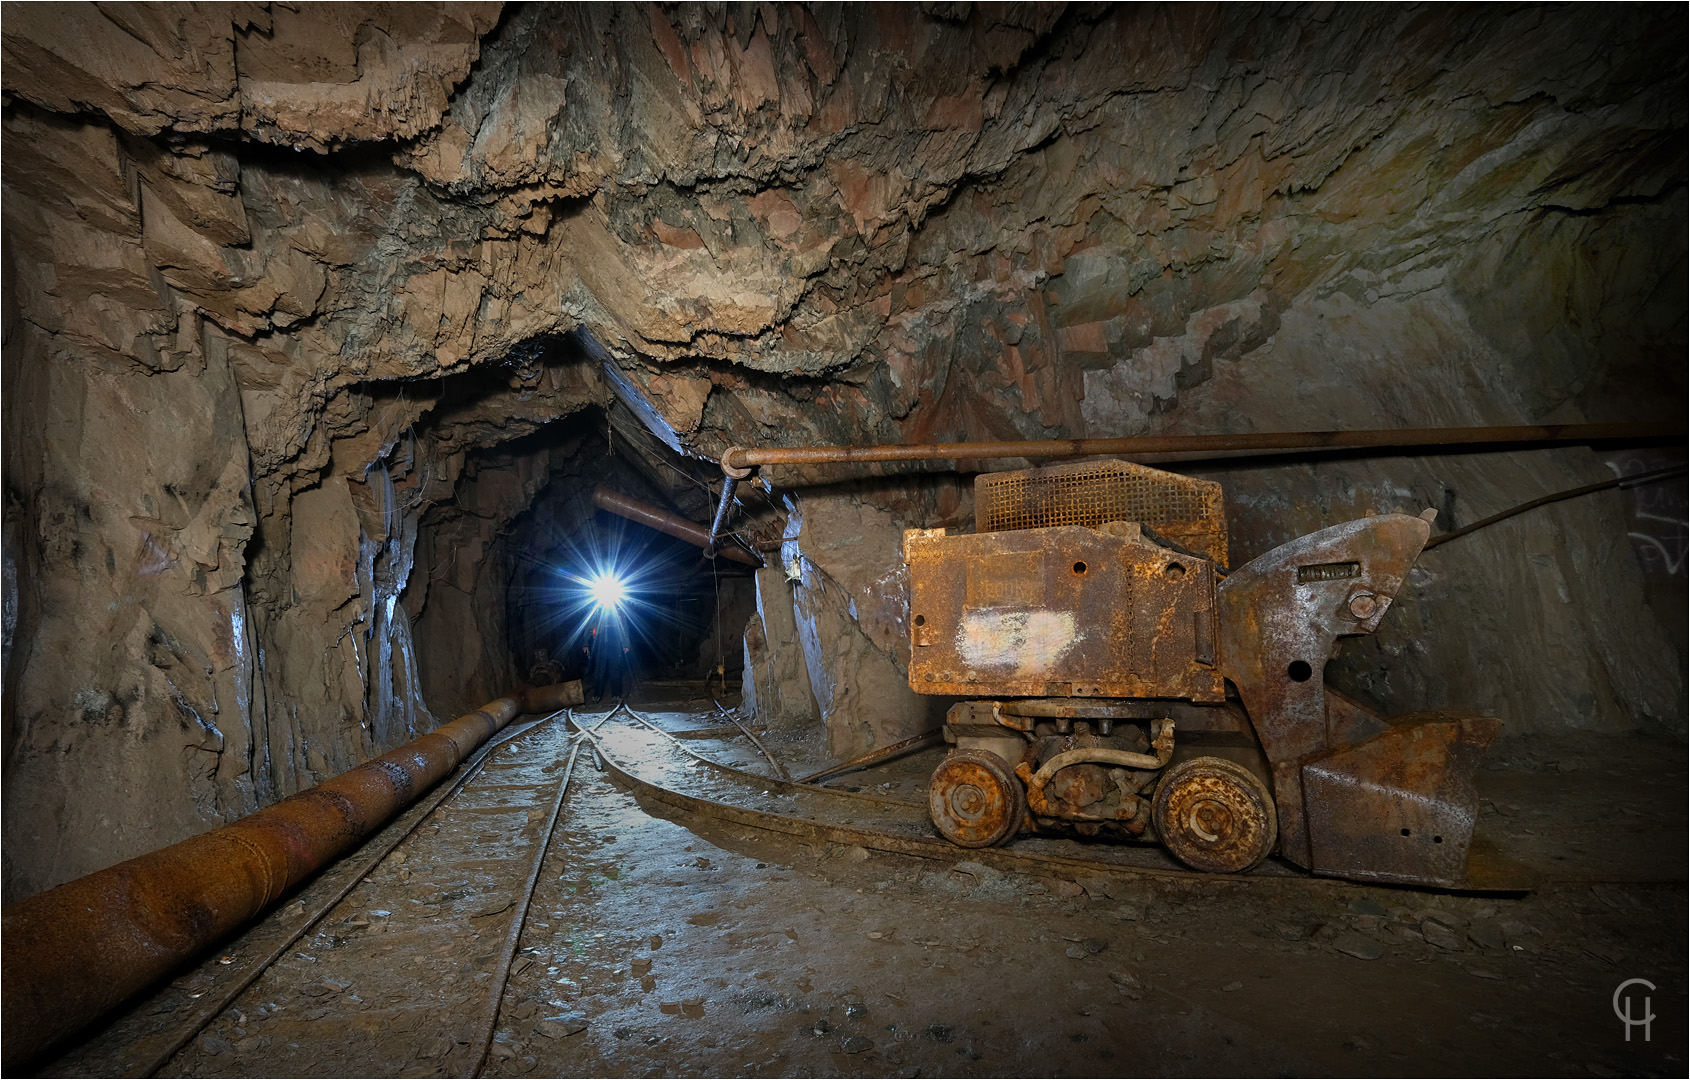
(721, 656)
(1634, 480)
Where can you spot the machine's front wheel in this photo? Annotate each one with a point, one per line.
(1215, 815)
(975, 799)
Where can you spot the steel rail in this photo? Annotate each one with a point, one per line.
(1013, 859)
(780, 770)
(513, 936)
(877, 756)
(212, 1009)
(78, 951)
(768, 782)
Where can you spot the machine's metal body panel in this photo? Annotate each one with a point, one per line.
(1060, 612)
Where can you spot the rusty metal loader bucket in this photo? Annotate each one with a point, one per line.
(1358, 796)
(1400, 806)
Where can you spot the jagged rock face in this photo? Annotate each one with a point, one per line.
(276, 279)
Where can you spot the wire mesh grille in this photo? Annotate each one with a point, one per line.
(1186, 511)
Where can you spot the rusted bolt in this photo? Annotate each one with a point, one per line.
(1364, 605)
(1210, 820)
(969, 800)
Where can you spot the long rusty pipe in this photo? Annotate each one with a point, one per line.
(76, 952)
(664, 522)
(738, 459)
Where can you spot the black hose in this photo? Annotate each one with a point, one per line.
(1571, 493)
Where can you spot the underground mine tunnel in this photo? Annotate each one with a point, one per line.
(438, 640)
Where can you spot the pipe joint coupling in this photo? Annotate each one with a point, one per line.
(734, 471)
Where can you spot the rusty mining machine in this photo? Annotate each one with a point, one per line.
(1091, 625)
(1119, 680)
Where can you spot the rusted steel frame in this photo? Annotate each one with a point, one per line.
(736, 459)
(513, 936)
(1571, 493)
(213, 1008)
(1373, 806)
(1357, 797)
(1182, 512)
(780, 770)
(79, 950)
(1016, 859)
(876, 756)
(664, 522)
(1286, 610)
(1081, 709)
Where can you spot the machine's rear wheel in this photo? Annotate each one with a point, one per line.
(1215, 815)
(975, 799)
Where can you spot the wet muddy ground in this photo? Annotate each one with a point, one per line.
(664, 944)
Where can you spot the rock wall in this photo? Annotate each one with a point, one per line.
(775, 682)
(843, 556)
(276, 276)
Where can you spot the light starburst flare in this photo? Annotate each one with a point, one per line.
(607, 590)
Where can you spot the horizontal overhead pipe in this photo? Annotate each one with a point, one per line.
(664, 522)
(738, 460)
(76, 952)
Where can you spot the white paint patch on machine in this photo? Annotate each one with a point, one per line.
(1029, 641)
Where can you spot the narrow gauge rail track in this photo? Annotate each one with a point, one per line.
(193, 1002)
(659, 766)
(271, 961)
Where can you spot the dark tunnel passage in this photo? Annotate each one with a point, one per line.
(583, 572)
(515, 551)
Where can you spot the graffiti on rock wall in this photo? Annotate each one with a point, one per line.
(1659, 517)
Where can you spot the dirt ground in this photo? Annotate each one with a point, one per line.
(662, 944)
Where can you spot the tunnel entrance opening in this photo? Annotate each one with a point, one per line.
(503, 591)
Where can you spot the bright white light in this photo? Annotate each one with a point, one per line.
(607, 590)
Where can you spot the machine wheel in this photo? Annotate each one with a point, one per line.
(976, 800)
(1215, 815)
